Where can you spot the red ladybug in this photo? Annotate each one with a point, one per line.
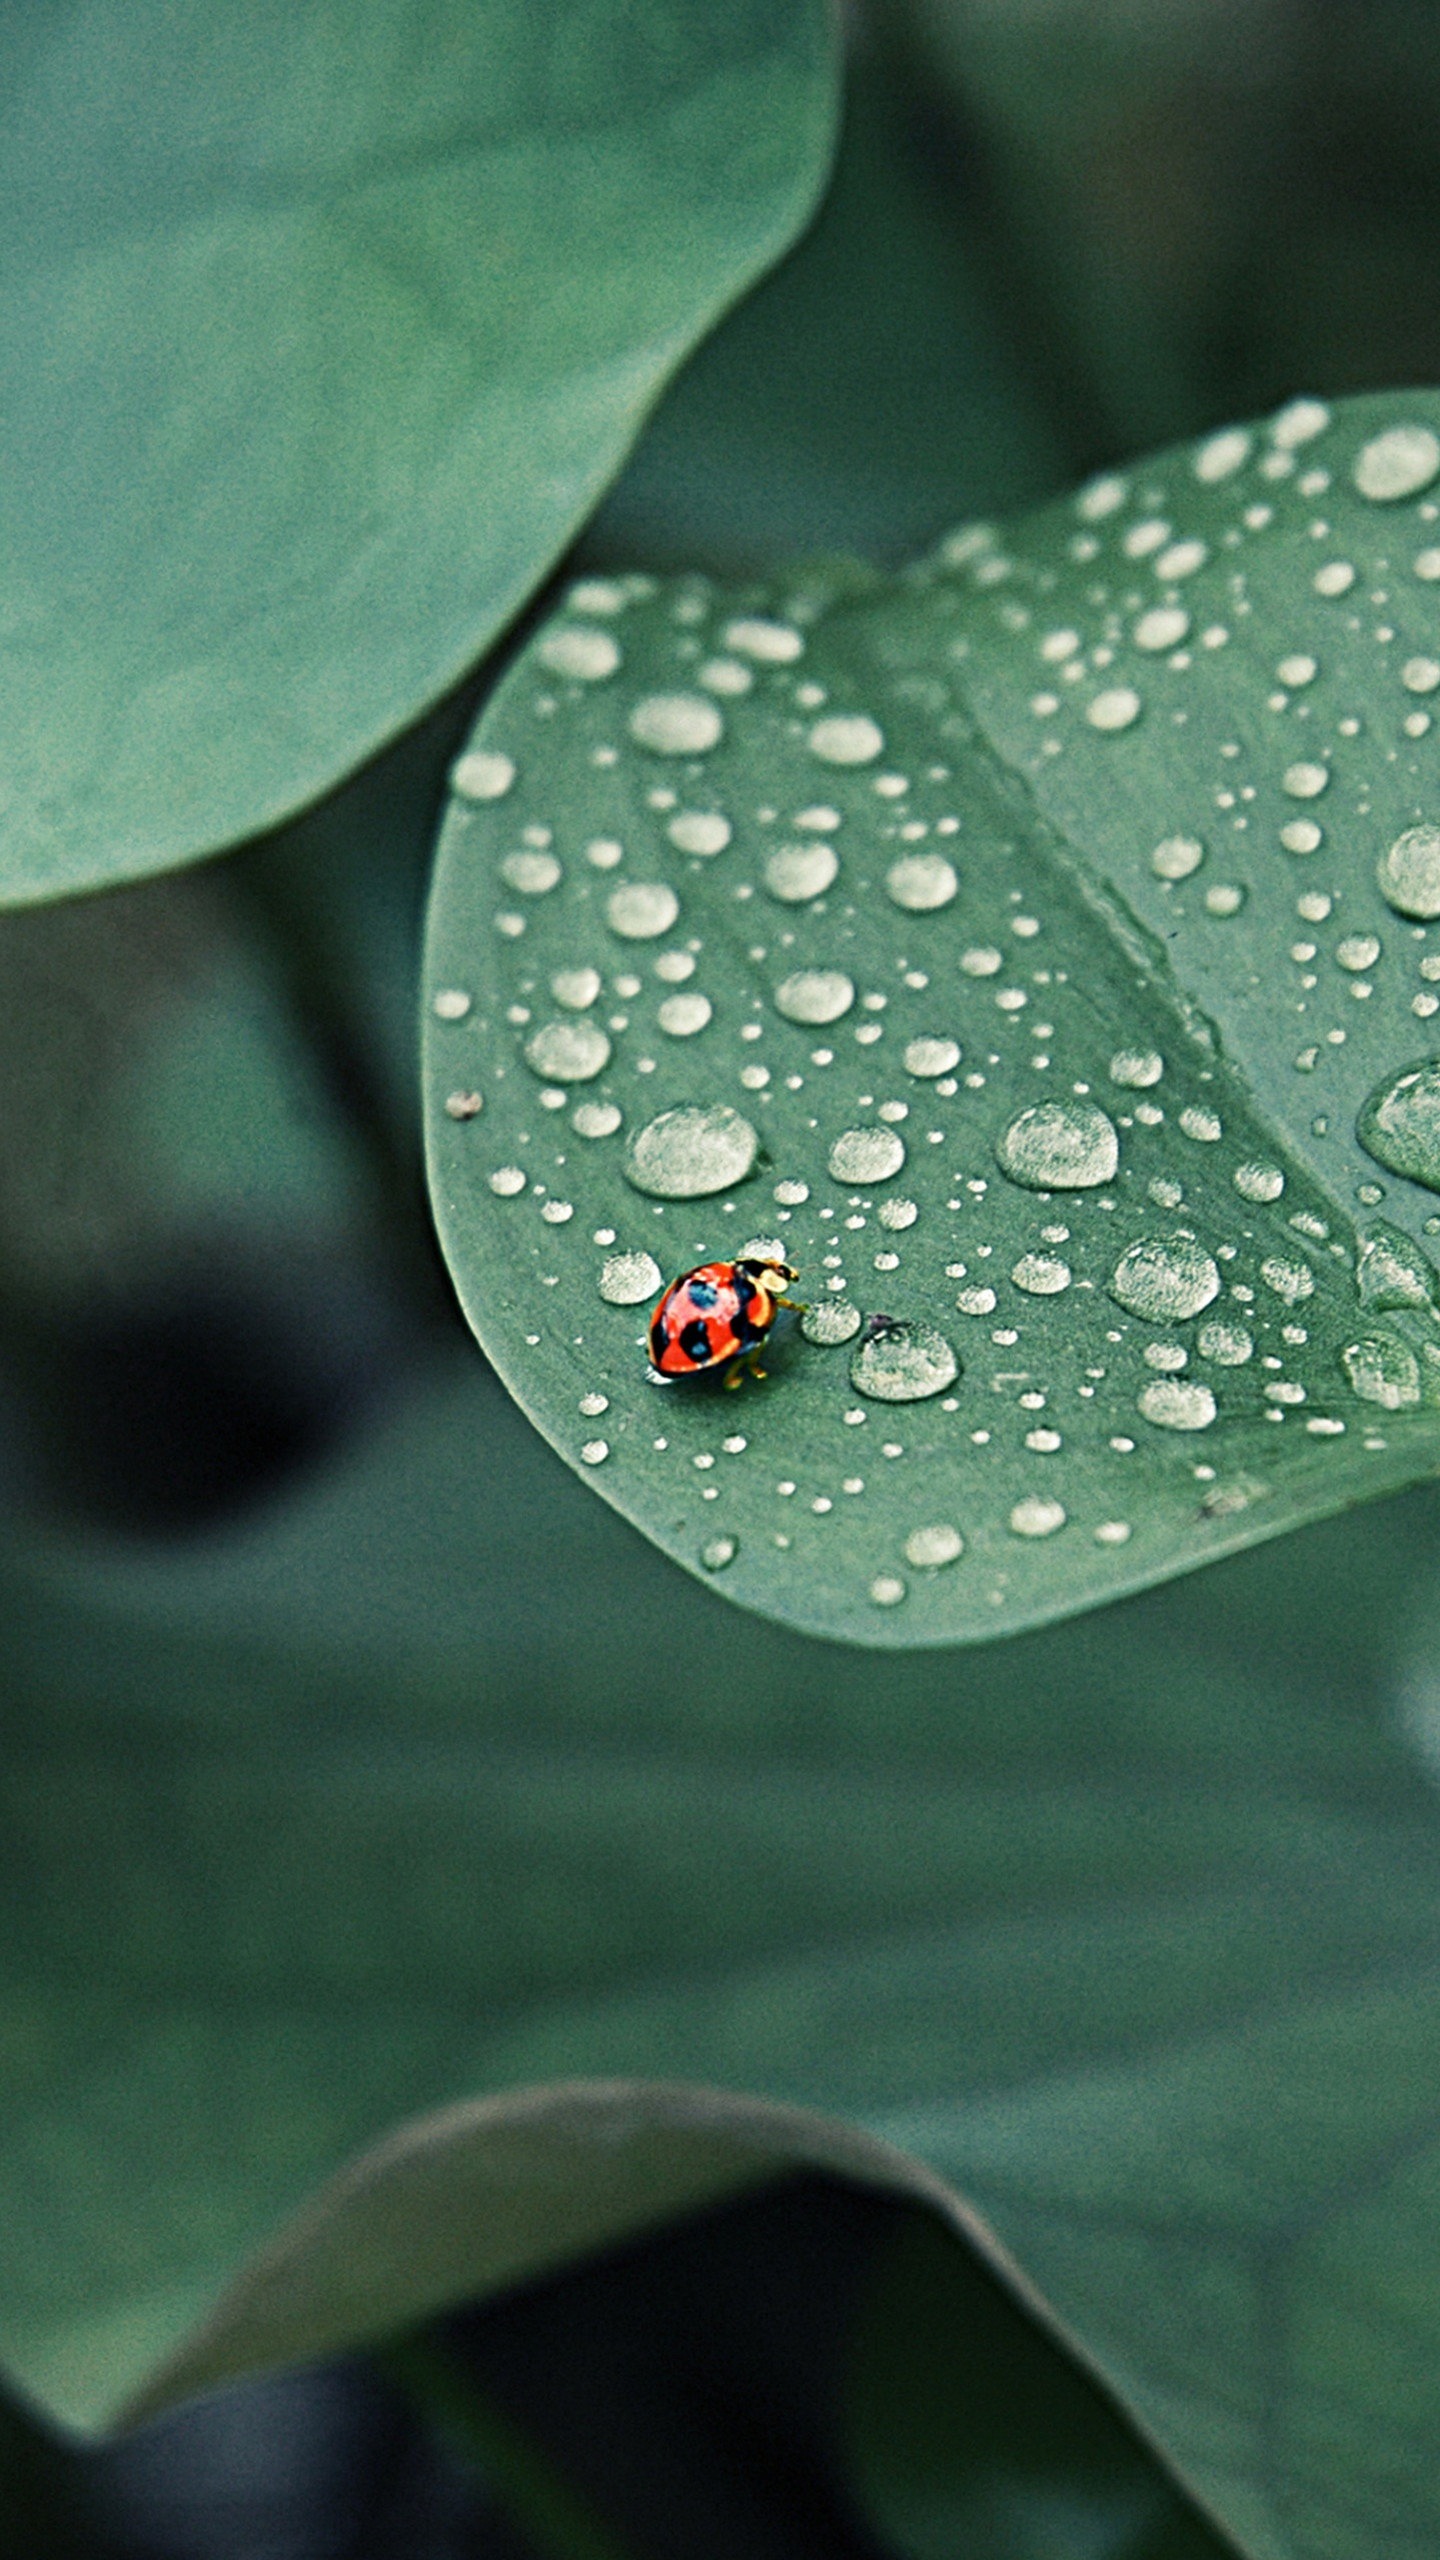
(716, 1318)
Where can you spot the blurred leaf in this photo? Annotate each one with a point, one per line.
(442, 1782)
(45, 2506)
(1156, 1214)
(348, 319)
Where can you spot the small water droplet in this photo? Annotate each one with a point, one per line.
(629, 1279)
(451, 1004)
(866, 1155)
(1392, 1271)
(1059, 1146)
(796, 872)
(718, 1552)
(578, 649)
(595, 1452)
(1112, 1533)
(846, 738)
(1201, 1124)
(1117, 708)
(1297, 422)
(902, 1363)
(683, 1016)
(830, 1320)
(921, 882)
(533, 874)
(576, 988)
(887, 1590)
(1358, 951)
(1304, 781)
(770, 644)
(1181, 560)
(1137, 1068)
(1221, 454)
(1177, 1404)
(676, 724)
(641, 910)
(1042, 1275)
(931, 1057)
(482, 775)
(507, 1181)
(699, 831)
(1289, 1280)
(1383, 1371)
(690, 1152)
(1176, 857)
(935, 1546)
(1165, 1280)
(1409, 874)
(1163, 627)
(815, 996)
(1399, 1124)
(596, 1119)
(1037, 1518)
(1228, 1345)
(1420, 675)
(1255, 1181)
(1397, 464)
(1335, 579)
(568, 1052)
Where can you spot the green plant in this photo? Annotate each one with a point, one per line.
(861, 2090)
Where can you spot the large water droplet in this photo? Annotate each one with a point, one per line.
(1177, 1404)
(1397, 464)
(830, 1320)
(846, 738)
(1059, 1146)
(867, 1155)
(1409, 874)
(1399, 1123)
(1165, 1280)
(921, 882)
(815, 996)
(568, 1052)
(578, 649)
(629, 1279)
(1042, 1275)
(1383, 1371)
(1392, 1271)
(902, 1363)
(796, 872)
(676, 724)
(641, 910)
(931, 1057)
(934, 1546)
(690, 1152)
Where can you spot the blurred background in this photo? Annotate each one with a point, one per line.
(318, 1804)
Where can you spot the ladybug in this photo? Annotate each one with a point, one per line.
(714, 1319)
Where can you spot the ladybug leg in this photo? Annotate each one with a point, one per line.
(798, 1304)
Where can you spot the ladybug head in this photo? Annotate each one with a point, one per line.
(767, 1272)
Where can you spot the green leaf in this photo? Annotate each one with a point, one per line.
(1067, 1031)
(347, 320)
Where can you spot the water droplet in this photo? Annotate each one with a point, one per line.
(691, 1152)
(1298, 422)
(596, 1119)
(1301, 835)
(867, 1155)
(604, 852)
(771, 644)
(796, 872)
(1397, 464)
(507, 1181)
(1289, 1280)
(1181, 560)
(1383, 1371)
(846, 738)
(981, 962)
(531, 873)
(1113, 1533)
(1399, 1124)
(576, 988)
(1335, 579)
(901, 1363)
(482, 775)
(1409, 874)
(1201, 1125)
(1392, 1271)
(676, 724)
(1228, 1345)
(1163, 627)
(1177, 857)
(464, 1106)
(1137, 1068)
(718, 1552)
(641, 910)
(815, 995)
(683, 1016)
(976, 1302)
(1420, 675)
(1221, 454)
(1165, 1279)
(1358, 951)
(1304, 781)
(629, 1279)
(595, 1452)
(674, 967)
(451, 1004)
(1059, 1146)
(578, 649)
(887, 1590)
(568, 1052)
(1043, 1275)
(791, 1194)
(1256, 1181)
(1117, 708)
(830, 1320)
(699, 831)
(1037, 1518)
(921, 882)
(931, 1057)
(934, 1546)
(1177, 1404)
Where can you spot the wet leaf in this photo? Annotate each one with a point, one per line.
(347, 322)
(1036, 953)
